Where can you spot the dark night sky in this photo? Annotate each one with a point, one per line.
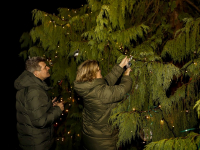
(18, 19)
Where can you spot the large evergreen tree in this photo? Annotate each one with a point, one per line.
(163, 39)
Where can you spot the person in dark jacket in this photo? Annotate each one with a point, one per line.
(36, 112)
(100, 95)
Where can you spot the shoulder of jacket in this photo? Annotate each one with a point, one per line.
(35, 89)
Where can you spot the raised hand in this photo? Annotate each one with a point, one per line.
(124, 62)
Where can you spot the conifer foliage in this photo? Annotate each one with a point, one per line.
(163, 39)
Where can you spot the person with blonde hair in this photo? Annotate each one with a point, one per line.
(100, 95)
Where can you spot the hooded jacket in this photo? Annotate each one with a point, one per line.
(35, 113)
(100, 96)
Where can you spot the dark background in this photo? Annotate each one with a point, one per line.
(16, 18)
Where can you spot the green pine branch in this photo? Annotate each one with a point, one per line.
(191, 141)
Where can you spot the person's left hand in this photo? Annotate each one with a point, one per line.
(127, 72)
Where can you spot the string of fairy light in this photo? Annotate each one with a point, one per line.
(62, 139)
(63, 18)
(50, 61)
(133, 110)
(155, 108)
(162, 121)
(120, 46)
(125, 52)
(148, 117)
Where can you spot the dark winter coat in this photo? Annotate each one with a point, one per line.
(35, 113)
(100, 96)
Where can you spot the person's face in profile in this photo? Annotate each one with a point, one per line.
(44, 72)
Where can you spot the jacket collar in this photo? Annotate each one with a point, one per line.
(39, 81)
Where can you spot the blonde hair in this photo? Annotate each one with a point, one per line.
(87, 71)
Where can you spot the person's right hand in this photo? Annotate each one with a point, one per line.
(54, 101)
(124, 62)
(61, 105)
(127, 72)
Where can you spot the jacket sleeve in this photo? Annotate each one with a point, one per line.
(40, 110)
(114, 75)
(112, 94)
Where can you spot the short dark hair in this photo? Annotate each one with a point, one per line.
(32, 64)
